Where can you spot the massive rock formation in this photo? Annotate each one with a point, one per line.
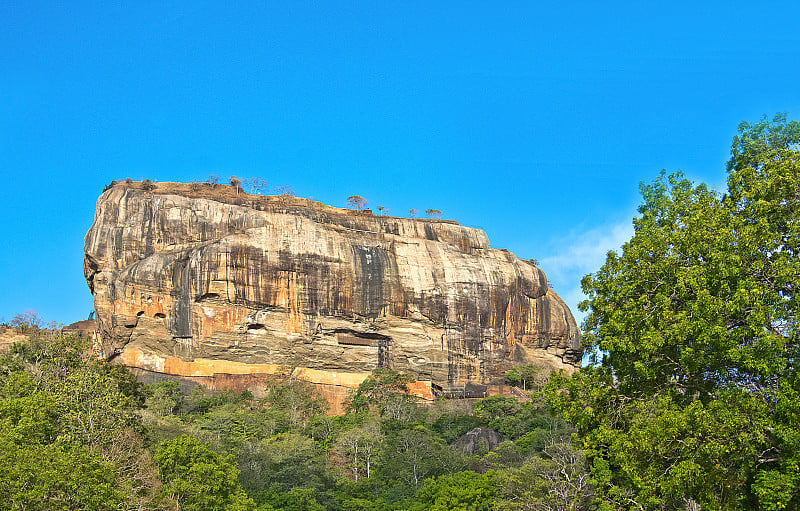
(196, 280)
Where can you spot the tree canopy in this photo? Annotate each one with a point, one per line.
(357, 202)
(696, 398)
(79, 433)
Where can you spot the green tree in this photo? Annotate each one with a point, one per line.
(92, 408)
(322, 430)
(696, 399)
(284, 461)
(235, 183)
(357, 202)
(55, 401)
(30, 419)
(409, 456)
(378, 389)
(463, 491)
(297, 398)
(163, 397)
(505, 415)
(199, 479)
(358, 447)
(452, 426)
(56, 477)
(529, 377)
(556, 480)
(296, 499)
(42, 466)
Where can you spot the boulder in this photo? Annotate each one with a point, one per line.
(478, 440)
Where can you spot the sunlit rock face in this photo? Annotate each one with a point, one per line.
(195, 280)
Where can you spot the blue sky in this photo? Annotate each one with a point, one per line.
(534, 121)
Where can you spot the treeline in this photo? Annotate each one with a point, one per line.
(79, 433)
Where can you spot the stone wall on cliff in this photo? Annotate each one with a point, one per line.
(207, 279)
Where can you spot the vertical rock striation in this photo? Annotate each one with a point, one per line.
(197, 281)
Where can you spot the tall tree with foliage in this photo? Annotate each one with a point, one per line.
(697, 396)
(199, 479)
(357, 202)
(378, 389)
(68, 434)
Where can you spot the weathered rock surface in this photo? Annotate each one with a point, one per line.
(197, 281)
(478, 440)
(84, 328)
(9, 336)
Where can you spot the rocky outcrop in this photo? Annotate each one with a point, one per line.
(84, 328)
(196, 281)
(10, 336)
(478, 440)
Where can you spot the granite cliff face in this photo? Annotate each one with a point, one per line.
(198, 281)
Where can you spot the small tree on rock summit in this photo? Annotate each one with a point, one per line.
(357, 202)
(235, 182)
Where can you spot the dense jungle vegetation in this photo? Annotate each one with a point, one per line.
(78, 433)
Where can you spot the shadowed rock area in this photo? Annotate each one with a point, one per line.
(478, 440)
(195, 280)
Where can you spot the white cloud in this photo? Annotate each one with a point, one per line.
(581, 253)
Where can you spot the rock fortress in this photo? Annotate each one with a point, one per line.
(229, 289)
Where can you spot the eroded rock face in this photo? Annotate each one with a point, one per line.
(478, 440)
(209, 281)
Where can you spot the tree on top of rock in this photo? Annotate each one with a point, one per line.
(256, 185)
(357, 202)
(235, 182)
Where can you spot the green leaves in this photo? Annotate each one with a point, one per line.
(65, 430)
(29, 419)
(198, 478)
(464, 491)
(379, 387)
(56, 477)
(696, 319)
(505, 415)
